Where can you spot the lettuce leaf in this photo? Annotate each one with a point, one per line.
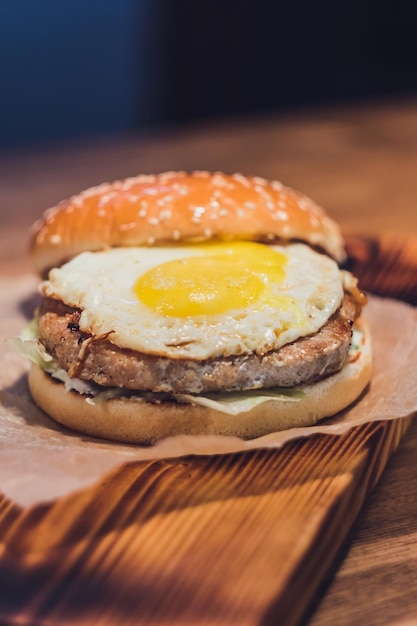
(29, 346)
(233, 403)
(242, 401)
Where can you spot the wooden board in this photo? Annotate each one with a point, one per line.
(237, 539)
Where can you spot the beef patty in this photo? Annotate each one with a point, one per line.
(84, 356)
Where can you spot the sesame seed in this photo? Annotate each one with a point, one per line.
(165, 214)
(77, 202)
(258, 180)
(102, 213)
(153, 221)
(223, 212)
(55, 239)
(241, 179)
(124, 185)
(276, 185)
(166, 177)
(282, 204)
(107, 197)
(99, 190)
(142, 178)
(208, 232)
(270, 236)
(219, 180)
(199, 211)
(250, 205)
(282, 215)
(127, 226)
(176, 234)
(50, 213)
(270, 205)
(201, 173)
(150, 241)
(303, 204)
(142, 213)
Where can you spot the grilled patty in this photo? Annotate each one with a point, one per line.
(97, 359)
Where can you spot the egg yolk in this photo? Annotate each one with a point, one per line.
(226, 276)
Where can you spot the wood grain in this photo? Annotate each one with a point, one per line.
(259, 538)
(244, 539)
(374, 580)
(385, 265)
(237, 539)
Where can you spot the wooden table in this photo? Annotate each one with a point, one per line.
(361, 164)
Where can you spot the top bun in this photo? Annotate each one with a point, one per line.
(178, 206)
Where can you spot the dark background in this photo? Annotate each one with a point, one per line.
(80, 68)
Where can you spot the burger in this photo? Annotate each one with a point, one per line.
(193, 303)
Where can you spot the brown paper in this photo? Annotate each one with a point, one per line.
(40, 461)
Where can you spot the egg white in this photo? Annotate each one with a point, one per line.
(101, 284)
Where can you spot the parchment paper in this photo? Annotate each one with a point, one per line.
(40, 461)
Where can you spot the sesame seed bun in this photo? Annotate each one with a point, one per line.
(138, 421)
(177, 206)
(167, 209)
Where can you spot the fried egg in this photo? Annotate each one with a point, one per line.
(200, 301)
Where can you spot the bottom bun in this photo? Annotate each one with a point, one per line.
(135, 420)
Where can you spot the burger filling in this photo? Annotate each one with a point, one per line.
(181, 323)
(99, 360)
